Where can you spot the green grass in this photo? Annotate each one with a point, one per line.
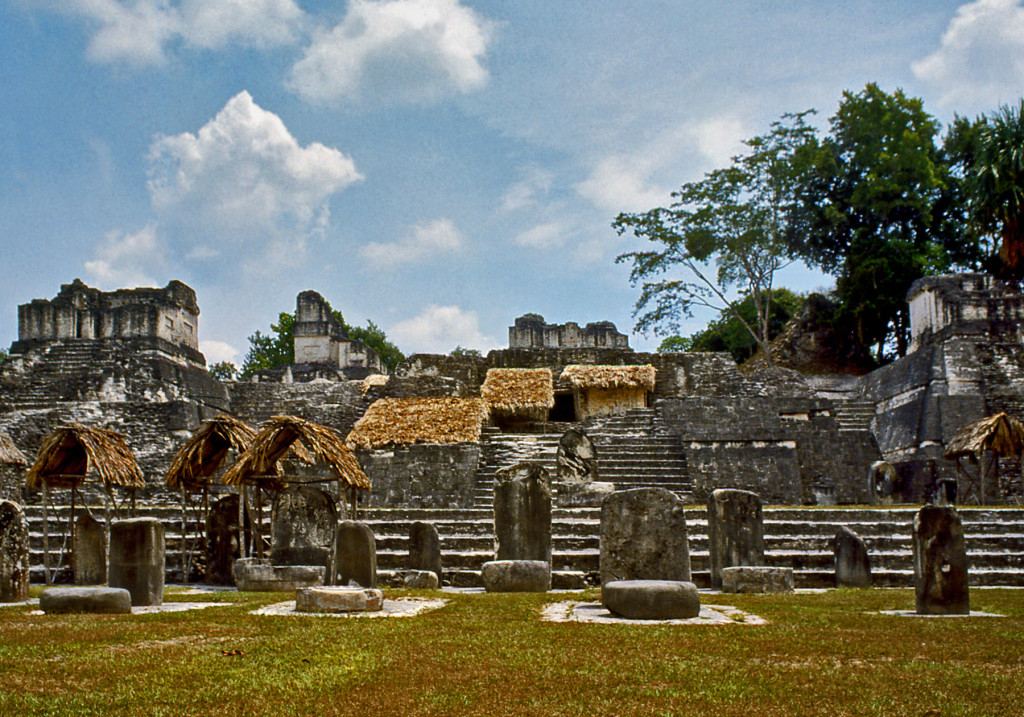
(821, 654)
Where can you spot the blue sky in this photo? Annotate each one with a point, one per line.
(437, 166)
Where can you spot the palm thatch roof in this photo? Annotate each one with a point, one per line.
(399, 421)
(9, 453)
(518, 391)
(586, 376)
(202, 455)
(307, 442)
(1001, 435)
(68, 454)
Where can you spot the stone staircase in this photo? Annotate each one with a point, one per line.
(67, 370)
(800, 538)
(634, 450)
(854, 415)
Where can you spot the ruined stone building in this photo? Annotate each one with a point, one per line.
(690, 422)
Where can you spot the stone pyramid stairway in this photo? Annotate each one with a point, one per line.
(854, 415)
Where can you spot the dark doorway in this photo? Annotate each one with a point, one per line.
(564, 410)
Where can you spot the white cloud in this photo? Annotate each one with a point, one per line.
(719, 139)
(217, 351)
(125, 260)
(406, 50)
(424, 241)
(244, 180)
(138, 32)
(524, 193)
(981, 56)
(549, 235)
(439, 329)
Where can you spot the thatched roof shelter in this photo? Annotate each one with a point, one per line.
(201, 456)
(999, 435)
(526, 392)
(399, 421)
(9, 453)
(586, 376)
(307, 442)
(68, 454)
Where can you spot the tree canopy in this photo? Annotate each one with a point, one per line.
(723, 239)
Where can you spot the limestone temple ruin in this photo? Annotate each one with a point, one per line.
(597, 415)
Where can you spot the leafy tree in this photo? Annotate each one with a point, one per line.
(267, 351)
(729, 334)
(675, 344)
(458, 351)
(995, 182)
(722, 240)
(223, 371)
(878, 208)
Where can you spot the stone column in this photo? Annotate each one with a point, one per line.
(425, 548)
(14, 566)
(735, 531)
(940, 562)
(90, 551)
(356, 555)
(643, 536)
(522, 513)
(137, 559)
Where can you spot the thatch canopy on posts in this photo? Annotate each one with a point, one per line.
(9, 453)
(306, 441)
(201, 456)
(68, 454)
(519, 392)
(586, 376)
(998, 436)
(403, 421)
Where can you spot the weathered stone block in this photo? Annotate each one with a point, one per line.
(651, 599)
(338, 599)
(940, 562)
(258, 575)
(643, 536)
(303, 532)
(90, 556)
(421, 580)
(576, 460)
(356, 554)
(86, 600)
(853, 566)
(137, 559)
(735, 531)
(757, 579)
(222, 548)
(425, 548)
(14, 554)
(516, 576)
(522, 513)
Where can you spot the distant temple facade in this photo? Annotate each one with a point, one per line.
(530, 332)
(322, 339)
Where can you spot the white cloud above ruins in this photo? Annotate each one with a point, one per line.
(439, 329)
(424, 241)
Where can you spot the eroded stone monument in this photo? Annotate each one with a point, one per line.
(14, 567)
(90, 556)
(222, 549)
(425, 548)
(643, 536)
(137, 559)
(735, 531)
(356, 555)
(940, 562)
(303, 531)
(853, 565)
(522, 513)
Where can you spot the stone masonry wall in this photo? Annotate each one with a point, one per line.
(421, 476)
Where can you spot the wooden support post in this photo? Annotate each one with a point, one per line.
(46, 533)
(243, 549)
(185, 561)
(71, 531)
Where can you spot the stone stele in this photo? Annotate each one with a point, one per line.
(643, 536)
(425, 548)
(356, 555)
(137, 559)
(303, 531)
(86, 600)
(651, 599)
(757, 579)
(338, 599)
(516, 576)
(735, 531)
(90, 556)
(853, 566)
(940, 562)
(421, 580)
(14, 555)
(522, 513)
(222, 549)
